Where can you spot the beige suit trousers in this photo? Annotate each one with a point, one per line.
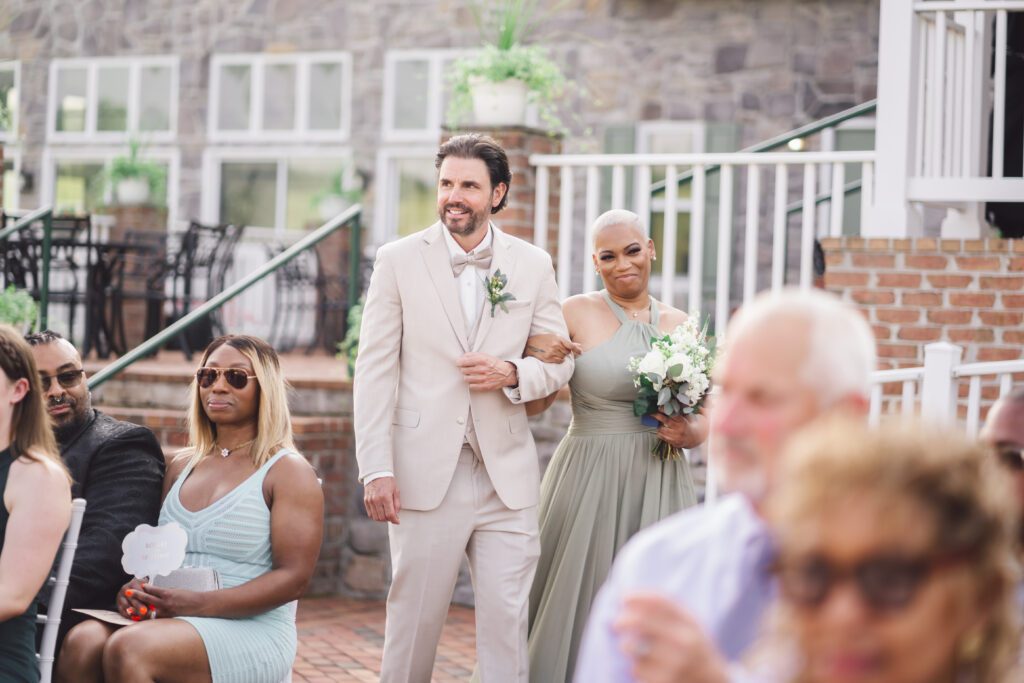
(427, 548)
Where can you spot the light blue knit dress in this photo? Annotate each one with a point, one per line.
(233, 536)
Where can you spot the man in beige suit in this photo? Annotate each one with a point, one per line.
(444, 449)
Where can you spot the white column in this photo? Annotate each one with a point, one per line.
(898, 55)
(938, 390)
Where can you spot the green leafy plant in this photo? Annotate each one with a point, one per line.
(18, 308)
(134, 166)
(348, 347)
(337, 188)
(504, 29)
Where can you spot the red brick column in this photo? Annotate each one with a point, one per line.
(519, 142)
(917, 291)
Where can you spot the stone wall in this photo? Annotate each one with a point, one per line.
(764, 65)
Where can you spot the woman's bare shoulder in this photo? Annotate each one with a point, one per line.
(670, 316)
(40, 476)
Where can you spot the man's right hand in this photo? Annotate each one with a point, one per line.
(381, 499)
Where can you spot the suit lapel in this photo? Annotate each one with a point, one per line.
(439, 265)
(505, 261)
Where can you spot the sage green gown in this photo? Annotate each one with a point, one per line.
(601, 487)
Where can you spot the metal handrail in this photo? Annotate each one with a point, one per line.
(45, 214)
(348, 217)
(832, 121)
(849, 187)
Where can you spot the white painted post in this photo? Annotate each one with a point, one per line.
(898, 56)
(938, 388)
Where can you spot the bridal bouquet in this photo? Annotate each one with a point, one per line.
(674, 377)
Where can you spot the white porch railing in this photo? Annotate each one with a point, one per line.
(936, 93)
(745, 181)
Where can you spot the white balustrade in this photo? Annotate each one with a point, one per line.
(747, 213)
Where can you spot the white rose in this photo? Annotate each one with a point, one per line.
(682, 361)
(653, 364)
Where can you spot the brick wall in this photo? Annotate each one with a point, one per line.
(918, 291)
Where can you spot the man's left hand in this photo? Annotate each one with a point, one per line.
(665, 644)
(487, 373)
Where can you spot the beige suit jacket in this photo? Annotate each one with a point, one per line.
(411, 402)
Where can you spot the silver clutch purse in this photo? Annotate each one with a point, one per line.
(200, 579)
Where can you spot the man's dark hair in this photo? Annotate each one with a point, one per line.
(41, 338)
(486, 149)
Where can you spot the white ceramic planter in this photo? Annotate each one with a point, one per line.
(132, 191)
(330, 206)
(499, 103)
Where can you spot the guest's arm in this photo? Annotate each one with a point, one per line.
(38, 498)
(122, 490)
(600, 660)
(296, 529)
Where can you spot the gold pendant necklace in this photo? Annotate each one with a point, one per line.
(225, 452)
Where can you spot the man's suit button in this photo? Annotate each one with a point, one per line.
(461, 420)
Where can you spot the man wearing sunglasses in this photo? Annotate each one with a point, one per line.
(118, 467)
(685, 598)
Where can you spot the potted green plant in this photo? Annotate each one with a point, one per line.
(348, 348)
(497, 82)
(336, 197)
(135, 180)
(18, 308)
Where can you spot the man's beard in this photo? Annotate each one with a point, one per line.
(72, 423)
(475, 220)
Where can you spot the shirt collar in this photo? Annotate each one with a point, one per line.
(453, 246)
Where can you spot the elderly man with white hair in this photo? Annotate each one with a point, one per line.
(685, 597)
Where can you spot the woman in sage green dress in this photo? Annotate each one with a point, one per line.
(36, 491)
(603, 484)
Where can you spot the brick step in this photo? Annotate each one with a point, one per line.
(320, 384)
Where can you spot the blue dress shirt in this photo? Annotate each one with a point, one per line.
(714, 561)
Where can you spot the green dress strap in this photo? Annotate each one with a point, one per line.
(620, 314)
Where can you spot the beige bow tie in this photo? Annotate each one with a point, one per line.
(479, 259)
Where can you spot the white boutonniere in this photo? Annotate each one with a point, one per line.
(496, 293)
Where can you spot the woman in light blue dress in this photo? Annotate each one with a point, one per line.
(252, 509)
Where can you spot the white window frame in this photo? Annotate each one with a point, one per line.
(385, 212)
(435, 105)
(90, 135)
(214, 157)
(644, 129)
(13, 154)
(105, 154)
(11, 134)
(257, 64)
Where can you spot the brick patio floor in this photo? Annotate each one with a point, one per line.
(341, 640)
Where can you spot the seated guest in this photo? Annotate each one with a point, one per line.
(252, 509)
(116, 466)
(895, 558)
(36, 506)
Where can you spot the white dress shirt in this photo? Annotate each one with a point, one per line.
(471, 294)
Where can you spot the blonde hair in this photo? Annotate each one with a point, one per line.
(273, 419)
(31, 430)
(949, 477)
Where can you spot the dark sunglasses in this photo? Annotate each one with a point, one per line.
(206, 377)
(1012, 458)
(885, 583)
(67, 379)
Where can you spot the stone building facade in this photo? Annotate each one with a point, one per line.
(761, 66)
